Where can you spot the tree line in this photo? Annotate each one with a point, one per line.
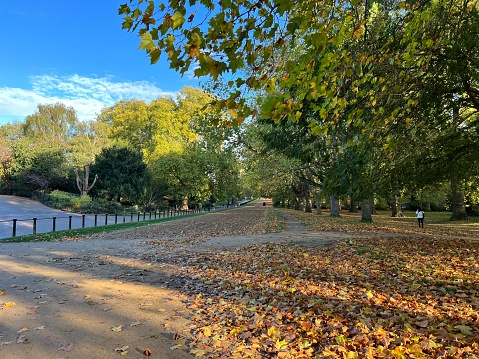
(161, 154)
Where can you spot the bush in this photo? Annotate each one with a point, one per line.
(473, 210)
(59, 200)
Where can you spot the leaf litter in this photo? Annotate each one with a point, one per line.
(374, 297)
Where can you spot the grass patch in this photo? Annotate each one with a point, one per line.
(435, 223)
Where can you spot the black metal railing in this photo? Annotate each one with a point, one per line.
(20, 227)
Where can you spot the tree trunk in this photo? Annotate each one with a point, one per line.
(396, 206)
(297, 203)
(458, 202)
(427, 207)
(334, 206)
(317, 200)
(372, 205)
(366, 213)
(83, 185)
(307, 200)
(353, 208)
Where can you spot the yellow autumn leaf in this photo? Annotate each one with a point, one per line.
(273, 332)
(399, 351)
(281, 344)
(232, 113)
(207, 331)
(341, 339)
(350, 355)
(198, 352)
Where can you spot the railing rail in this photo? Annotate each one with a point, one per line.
(20, 227)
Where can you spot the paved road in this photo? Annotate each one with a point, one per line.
(24, 210)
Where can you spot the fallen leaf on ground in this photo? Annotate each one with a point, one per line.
(122, 350)
(22, 340)
(66, 347)
(147, 352)
(6, 305)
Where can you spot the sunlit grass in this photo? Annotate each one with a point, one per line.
(434, 223)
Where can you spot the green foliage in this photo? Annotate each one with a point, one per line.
(68, 201)
(47, 169)
(57, 123)
(122, 174)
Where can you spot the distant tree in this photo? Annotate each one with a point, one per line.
(122, 173)
(7, 168)
(183, 176)
(56, 123)
(90, 139)
(48, 169)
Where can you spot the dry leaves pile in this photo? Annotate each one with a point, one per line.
(365, 298)
(192, 230)
(378, 298)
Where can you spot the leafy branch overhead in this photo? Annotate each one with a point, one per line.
(357, 61)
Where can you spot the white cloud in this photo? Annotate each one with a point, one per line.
(85, 94)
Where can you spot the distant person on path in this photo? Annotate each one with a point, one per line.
(420, 217)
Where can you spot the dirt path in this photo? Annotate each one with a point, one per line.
(88, 297)
(95, 297)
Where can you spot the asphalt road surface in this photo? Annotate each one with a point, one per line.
(24, 210)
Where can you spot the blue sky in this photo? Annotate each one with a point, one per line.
(74, 52)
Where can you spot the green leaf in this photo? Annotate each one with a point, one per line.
(146, 42)
(465, 330)
(178, 19)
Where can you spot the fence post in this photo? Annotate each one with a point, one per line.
(83, 221)
(131, 219)
(116, 217)
(96, 219)
(14, 230)
(34, 226)
(70, 222)
(139, 216)
(54, 224)
(106, 219)
(144, 215)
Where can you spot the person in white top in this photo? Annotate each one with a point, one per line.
(420, 217)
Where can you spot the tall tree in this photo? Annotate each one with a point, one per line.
(122, 173)
(55, 123)
(90, 139)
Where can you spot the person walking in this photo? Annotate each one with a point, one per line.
(420, 217)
